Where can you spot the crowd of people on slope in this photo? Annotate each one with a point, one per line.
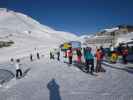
(85, 54)
(82, 53)
(89, 58)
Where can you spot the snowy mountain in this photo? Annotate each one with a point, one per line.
(28, 34)
(19, 23)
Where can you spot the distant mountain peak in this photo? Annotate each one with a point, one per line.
(12, 22)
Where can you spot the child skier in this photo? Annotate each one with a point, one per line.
(38, 56)
(31, 57)
(18, 69)
(58, 55)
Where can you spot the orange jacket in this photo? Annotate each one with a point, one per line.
(98, 55)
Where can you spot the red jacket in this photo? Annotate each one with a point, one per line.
(125, 52)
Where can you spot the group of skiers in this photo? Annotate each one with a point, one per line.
(87, 54)
(88, 57)
(17, 64)
(52, 55)
(37, 55)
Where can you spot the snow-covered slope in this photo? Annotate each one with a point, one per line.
(17, 22)
(28, 34)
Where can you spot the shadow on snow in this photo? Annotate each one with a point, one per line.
(54, 92)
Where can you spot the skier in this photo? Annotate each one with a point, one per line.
(114, 57)
(31, 57)
(124, 55)
(18, 69)
(111, 51)
(98, 60)
(79, 55)
(70, 55)
(58, 55)
(102, 52)
(38, 56)
(11, 59)
(119, 48)
(65, 56)
(51, 55)
(84, 50)
(111, 48)
(89, 58)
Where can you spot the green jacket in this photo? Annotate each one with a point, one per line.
(88, 55)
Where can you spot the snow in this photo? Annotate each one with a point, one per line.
(27, 34)
(112, 29)
(70, 83)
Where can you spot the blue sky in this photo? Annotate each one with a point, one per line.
(77, 16)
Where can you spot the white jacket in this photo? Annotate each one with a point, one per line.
(17, 65)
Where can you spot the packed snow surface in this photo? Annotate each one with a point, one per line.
(53, 80)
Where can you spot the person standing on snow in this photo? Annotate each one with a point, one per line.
(111, 50)
(70, 55)
(31, 57)
(124, 55)
(119, 48)
(65, 56)
(89, 58)
(102, 52)
(12, 60)
(98, 60)
(79, 55)
(51, 55)
(58, 55)
(38, 56)
(18, 69)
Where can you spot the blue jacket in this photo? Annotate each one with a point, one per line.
(88, 55)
